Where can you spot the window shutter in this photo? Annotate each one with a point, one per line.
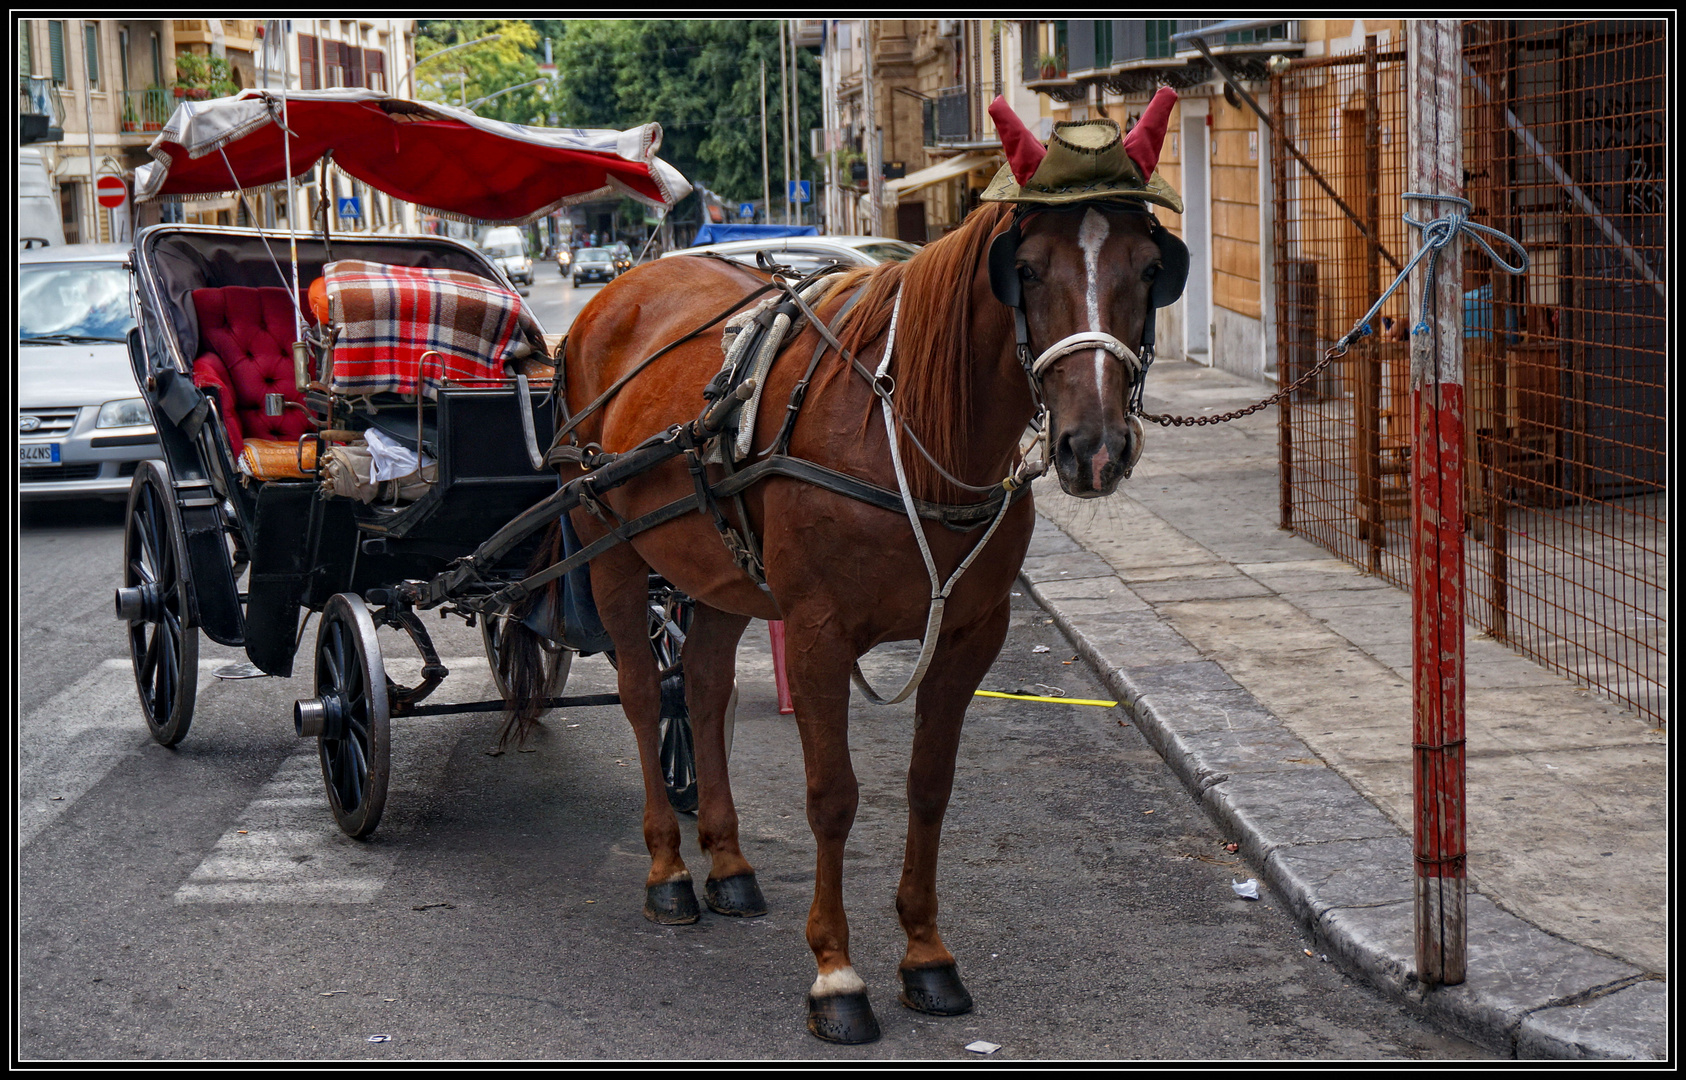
(352, 57)
(55, 44)
(374, 66)
(91, 34)
(26, 49)
(307, 63)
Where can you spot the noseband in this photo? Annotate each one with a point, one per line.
(1167, 287)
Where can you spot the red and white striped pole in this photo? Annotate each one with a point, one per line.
(1435, 133)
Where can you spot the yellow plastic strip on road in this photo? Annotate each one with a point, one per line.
(1033, 697)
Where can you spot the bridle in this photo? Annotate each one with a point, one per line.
(1167, 287)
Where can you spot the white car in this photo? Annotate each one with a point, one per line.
(806, 253)
(507, 246)
(82, 424)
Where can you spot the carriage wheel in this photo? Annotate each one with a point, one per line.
(351, 696)
(163, 648)
(558, 659)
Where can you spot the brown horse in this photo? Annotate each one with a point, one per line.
(842, 574)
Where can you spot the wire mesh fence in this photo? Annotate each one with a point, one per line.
(1565, 477)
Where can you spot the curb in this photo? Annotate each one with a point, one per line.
(1338, 863)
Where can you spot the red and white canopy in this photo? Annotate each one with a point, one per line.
(439, 157)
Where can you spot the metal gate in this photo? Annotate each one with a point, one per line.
(1566, 463)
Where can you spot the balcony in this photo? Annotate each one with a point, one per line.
(948, 117)
(146, 110)
(40, 111)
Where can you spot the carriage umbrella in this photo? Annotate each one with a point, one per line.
(432, 155)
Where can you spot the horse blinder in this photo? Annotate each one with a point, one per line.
(1003, 269)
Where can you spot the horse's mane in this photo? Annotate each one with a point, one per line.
(933, 334)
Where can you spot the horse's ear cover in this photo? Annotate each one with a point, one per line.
(1173, 269)
(1003, 269)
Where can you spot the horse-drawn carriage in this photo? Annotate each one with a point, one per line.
(312, 477)
(845, 451)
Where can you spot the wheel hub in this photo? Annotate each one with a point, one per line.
(141, 603)
(320, 717)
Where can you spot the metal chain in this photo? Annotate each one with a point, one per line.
(1181, 421)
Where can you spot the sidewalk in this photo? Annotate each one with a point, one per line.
(1276, 680)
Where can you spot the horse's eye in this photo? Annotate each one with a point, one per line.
(1151, 272)
(1026, 273)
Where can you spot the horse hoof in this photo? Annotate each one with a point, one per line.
(842, 1018)
(672, 903)
(935, 990)
(738, 896)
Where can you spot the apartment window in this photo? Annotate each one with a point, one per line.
(91, 43)
(1279, 32)
(1062, 42)
(374, 66)
(26, 49)
(55, 45)
(1103, 43)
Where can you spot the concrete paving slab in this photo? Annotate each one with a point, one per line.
(1217, 587)
(1316, 878)
(1071, 564)
(1625, 1024)
(1268, 810)
(1088, 596)
(1128, 639)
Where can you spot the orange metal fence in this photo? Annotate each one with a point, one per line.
(1566, 462)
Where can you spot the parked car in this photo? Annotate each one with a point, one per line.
(594, 264)
(805, 253)
(507, 245)
(82, 425)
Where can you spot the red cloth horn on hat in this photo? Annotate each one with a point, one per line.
(1024, 150)
(1145, 139)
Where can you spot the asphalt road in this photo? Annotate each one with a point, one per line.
(200, 903)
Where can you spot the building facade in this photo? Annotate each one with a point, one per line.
(94, 93)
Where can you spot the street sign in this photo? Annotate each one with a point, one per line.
(111, 191)
(746, 210)
(351, 206)
(800, 191)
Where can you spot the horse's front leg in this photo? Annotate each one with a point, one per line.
(818, 666)
(710, 662)
(930, 981)
(620, 585)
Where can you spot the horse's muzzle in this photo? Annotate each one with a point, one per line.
(1091, 464)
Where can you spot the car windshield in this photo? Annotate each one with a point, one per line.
(593, 253)
(73, 301)
(889, 252)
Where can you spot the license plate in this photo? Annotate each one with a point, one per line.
(38, 454)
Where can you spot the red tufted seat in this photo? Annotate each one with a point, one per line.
(245, 337)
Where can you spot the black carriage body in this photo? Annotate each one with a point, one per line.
(303, 548)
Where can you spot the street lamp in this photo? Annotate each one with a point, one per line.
(510, 90)
(442, 52)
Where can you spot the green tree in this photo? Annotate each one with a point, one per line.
(475, 72)
(701, 80)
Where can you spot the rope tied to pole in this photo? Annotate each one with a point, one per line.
(1438, 234)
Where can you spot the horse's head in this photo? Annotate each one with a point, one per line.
(1087, 279)
(1083, 263)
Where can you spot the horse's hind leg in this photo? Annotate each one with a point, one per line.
(930, 981)
(710, 658)
(620, 585)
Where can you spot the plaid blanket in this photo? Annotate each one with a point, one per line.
(389, 317)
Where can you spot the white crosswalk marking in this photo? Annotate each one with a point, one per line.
(67, 745)
(285, 848)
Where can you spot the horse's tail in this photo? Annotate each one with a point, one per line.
(521, 664)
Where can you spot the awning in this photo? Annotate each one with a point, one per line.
(936, 174)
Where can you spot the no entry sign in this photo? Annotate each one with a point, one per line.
(111, 191)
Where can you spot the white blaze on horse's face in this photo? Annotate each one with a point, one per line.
(1090, 237)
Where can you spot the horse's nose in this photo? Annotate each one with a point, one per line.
(1090, 463)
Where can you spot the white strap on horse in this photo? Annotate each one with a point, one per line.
(939, 590)
(1087, 339)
